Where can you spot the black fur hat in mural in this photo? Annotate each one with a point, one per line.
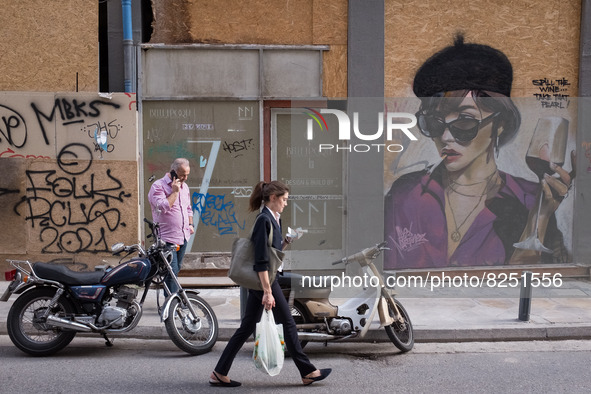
(464, 66)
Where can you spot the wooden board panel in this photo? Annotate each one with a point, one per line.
(539, 38)
(48, 43)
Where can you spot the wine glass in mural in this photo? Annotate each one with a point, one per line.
(548, 145)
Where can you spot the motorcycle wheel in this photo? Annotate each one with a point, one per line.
(28, 333)
(192, 336)
(300, 317)
(401, 334)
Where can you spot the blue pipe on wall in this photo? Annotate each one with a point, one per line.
(127, 46)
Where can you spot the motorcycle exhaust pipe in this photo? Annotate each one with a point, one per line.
(63, 323)
(316, 336)
(311, 326)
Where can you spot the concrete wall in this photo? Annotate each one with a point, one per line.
(366, 90)
(582, 247)
(68, 176)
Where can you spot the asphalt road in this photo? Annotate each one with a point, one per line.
(155, 366)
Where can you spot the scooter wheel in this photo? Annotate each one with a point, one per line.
(400, 333)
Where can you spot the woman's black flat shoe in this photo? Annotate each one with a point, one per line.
(221, 383)
(323, 374)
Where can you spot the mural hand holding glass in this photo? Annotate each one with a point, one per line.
(546, 152)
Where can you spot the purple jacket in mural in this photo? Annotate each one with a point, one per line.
(416, 230)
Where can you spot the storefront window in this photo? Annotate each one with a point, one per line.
(222, 142)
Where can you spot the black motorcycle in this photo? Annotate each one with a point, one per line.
(55, 302)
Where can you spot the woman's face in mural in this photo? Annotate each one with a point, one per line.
(461, 155)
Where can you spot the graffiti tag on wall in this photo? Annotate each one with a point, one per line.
(30, 125)
(69, 202)
(215, 211)
(553, 93)
(73, 212)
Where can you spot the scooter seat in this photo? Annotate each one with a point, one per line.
(289, 280)
(63, 274)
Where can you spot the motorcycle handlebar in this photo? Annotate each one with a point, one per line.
(154, 228)
(150, 224)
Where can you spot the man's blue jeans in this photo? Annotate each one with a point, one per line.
(177, 261)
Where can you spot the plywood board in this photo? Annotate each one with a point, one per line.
(46, 45)
(539, 38)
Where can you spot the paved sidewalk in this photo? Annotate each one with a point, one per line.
(438, 314)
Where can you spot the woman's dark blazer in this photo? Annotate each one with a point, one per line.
(260, 237)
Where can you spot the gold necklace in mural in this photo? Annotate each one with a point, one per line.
(487, 188)
(455, 235)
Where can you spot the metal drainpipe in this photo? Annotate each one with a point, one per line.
(127, 46)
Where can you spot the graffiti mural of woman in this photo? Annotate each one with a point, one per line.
(464, 211)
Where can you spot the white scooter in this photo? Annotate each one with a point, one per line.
(318, 320)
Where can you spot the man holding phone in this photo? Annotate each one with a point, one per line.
(170, 201)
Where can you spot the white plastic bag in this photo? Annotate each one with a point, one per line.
(269, 345)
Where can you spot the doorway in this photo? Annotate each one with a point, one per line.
(316, 180)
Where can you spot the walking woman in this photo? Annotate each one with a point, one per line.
(272, 198)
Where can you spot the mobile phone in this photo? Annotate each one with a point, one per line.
(173, 175)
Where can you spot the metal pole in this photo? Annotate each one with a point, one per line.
(525, 296)
(127, 46)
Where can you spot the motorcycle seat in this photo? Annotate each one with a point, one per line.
(63, 274)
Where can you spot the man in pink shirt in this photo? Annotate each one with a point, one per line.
(170, 201)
